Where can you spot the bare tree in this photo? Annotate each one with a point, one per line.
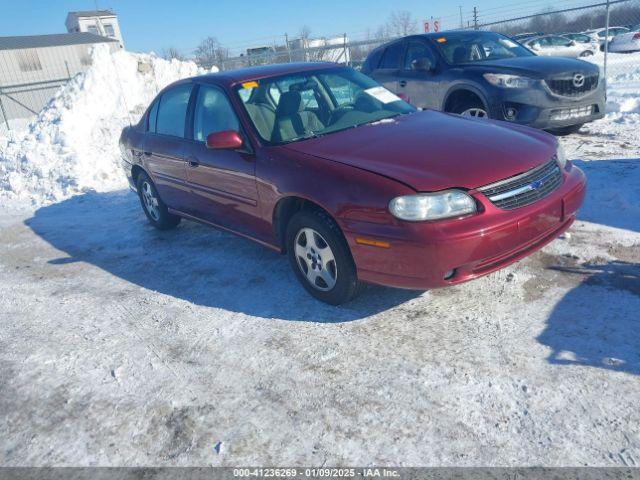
(401, 23)
(210, 52)
(311, 54)
(305, 33)
(171, 53)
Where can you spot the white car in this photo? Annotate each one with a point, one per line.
(627, 42)
(558, 46)
(592, 44)
(600, 34)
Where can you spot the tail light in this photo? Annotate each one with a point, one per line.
(636, 36)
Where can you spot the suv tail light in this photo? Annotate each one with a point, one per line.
(636, 36)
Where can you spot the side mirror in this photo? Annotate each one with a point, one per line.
(422, 64)
(226, 140)
(535, 46)
(572, 43)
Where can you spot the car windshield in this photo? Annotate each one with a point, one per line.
(303, 105)
(466, 47)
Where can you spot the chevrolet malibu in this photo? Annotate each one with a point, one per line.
(356, 186)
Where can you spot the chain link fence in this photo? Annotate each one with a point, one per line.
(337, 49)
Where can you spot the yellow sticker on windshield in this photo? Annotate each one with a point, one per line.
(441, 40)
(252, 84)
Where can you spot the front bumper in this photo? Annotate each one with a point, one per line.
(538, 107)
(423, 254)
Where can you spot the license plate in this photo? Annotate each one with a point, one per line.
(541, 222)
(571, 113)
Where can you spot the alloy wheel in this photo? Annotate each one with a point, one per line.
(315, 259)
(150, 201)
(475, 112)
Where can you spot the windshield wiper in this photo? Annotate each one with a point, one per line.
(306, 136)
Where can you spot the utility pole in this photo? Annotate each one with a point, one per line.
(475, 18)
(346, 50)
(461, 22)
(286, 41)
(606, 49)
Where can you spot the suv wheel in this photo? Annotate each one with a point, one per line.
(320, 257)
(153, 206)
(470, 108)
(567, 130)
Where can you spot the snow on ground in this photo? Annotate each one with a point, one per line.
(72, 146)
(120, 344)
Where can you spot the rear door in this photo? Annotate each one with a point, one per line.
(386, 72)
(222, 181)
(163, 149)
(418, 87)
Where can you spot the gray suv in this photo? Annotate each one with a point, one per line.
(485, 74)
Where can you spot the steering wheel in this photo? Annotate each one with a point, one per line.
(340, 111)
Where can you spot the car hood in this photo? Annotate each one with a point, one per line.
(432, 151)
(535, 66)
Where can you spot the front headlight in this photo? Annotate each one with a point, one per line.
(508, 81)
(432, 206)
(561, 156)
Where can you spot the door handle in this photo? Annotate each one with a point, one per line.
(148, 154)
(403, 83)
(193, 163)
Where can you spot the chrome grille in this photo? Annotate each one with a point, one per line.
(526, 188)
(566, 86)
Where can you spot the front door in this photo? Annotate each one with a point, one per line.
(222, 182)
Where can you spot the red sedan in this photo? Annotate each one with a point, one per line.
(320, 162)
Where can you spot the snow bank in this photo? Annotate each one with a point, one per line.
(623, 78)
(72, 145)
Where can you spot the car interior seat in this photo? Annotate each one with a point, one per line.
(261, 112)
(292, 120)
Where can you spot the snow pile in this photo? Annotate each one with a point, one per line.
(72, 145)
(623, 78)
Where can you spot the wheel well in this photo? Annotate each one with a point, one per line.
(135, 173)
(460, 96)
(285, 209)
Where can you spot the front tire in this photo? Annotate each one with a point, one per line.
(320, 257)
(470, 108)
(561, 132)
(153, 206)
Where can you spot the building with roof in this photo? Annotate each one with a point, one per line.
(33, 67)
(99, 22)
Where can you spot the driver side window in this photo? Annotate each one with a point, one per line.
(213, 113)
(415, 51)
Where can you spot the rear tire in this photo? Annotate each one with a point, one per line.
(153, 206)
(320, 257)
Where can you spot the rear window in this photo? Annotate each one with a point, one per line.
(391, 57)
(372, 61)
(172, 111)
(151, 118)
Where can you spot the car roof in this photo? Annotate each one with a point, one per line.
(231, 77)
